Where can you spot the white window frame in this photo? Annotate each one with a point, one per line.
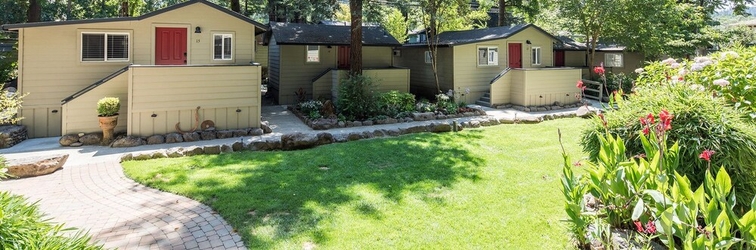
(307, 54)
(535, 53)
(223, 38)
(428, 56)
(105, 47)
(492, 54)
(611, 63)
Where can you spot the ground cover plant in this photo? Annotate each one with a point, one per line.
(490, 188)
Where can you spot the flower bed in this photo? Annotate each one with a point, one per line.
(329, 123)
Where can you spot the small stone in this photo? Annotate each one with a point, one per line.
(208, 135)
(67, 140)
(256, 132)
(265, 127)
(155, 139)
(211, 149)
(91, 139)
(173, 138)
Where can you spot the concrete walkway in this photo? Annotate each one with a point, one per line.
(92, 193)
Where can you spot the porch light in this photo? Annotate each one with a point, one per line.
(197, 29)
(526, 41)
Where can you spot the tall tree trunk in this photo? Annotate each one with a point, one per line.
(502, 13)
(69, 10)
(355, 49)
(272, 10)
(124, 9)
(34, 13)
(235, 6)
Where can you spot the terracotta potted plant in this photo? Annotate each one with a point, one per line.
(107, 112)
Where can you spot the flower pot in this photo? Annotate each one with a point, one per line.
(107, 124)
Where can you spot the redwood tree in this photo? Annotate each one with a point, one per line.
(355, 48)
(236, 6)
(34, 13)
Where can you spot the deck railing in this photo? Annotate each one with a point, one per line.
(594, 87)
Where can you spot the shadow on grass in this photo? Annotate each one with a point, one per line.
(279, 196)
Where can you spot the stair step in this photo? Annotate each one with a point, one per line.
(482, 103)
(487, 94)
(485, 99)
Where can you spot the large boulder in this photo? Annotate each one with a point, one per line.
(440, 127)
(128, 141)
(298, 140)
(36, 166)
(208, 135)
(212, 149)
(11, 135)
(585, 111)
(155, 139)
(256, 132)
(325, 138)
(191, 136)
(91, 139)
(67, 140)
(266, 127)
(223, 134)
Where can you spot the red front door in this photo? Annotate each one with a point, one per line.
(559, 58)
(170, 46)
(515, 55)
(344, 57)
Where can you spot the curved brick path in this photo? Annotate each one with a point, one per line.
(121, 213)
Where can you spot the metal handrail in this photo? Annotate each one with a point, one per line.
(500, 75)
(95, 85)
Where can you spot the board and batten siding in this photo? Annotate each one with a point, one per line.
(501, 89)
(80, 114)
(422, 80)
(537, 87)
(161, 96)
(50, 66)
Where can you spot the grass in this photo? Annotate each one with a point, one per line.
(496, 187)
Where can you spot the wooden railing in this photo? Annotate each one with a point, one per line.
(594, 87)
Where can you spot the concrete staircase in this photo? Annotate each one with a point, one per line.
(485, 100)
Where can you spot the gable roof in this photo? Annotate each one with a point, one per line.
(257, 25)
(453, 38)
(566, 43)
(319, 34)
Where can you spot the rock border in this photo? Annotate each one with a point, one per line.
(298, 140)
(554, 106)
(327, 123)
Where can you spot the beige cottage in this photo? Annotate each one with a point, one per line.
(314, 58)
(162, 66)
(497, 65)
(616, 59)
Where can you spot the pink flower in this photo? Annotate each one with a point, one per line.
(664, 116)
(646, 131)
(706, 155)
(648, 120)
(599, 70)
(650, 227)
(580, 85)
(638, 226)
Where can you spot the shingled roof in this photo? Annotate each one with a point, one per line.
(319, 34)
(566, 43)
(452, 38)
(257, 25)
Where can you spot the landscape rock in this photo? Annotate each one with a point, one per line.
(191, 136)
(241, 132)
(424, 116)
(416, 129)
(91, 139)
(323, 124)
(126, 157)
(357, 123)
(530, 119)
(379, 133)
(155, 139)
(226, 149)
(223, 134)
(37, 166)
(325, 138)
(474, 124)
(142, 156)
(128, 141)
(584, 112)
(394, 132)
(298, 140)
(67, 140)
(11, 135)
(238, 146)
(440, 127)
(341, 124)
(76, 144)
(208, 135)
(367, 123)
(211, 149)
(175, 152)
(266, 127)
(256, 132)
(354, 136)
(159, 154)
(173, 138)
(193, 150)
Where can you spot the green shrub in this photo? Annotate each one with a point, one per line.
(10, 103)
(108, 106)
(310, 106)
(615, 81)
(700, 122)
(393, 103)
(3, 168)
(357, 97)
(22, 227)
(425, 106)
(728, 74)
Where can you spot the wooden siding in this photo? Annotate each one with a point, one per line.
(173, 93)
(274, 68)
(500, 89)
(574, 59)
(632, 61)
(50, 72)
(80, 114)
(294, 72)
(41, 121)
(261, 51)
(422, 81)
(385, 79)
(536, 87)
(321, 88)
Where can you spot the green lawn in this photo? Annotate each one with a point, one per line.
(490, 188)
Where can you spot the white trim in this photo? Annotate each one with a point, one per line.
(428, 57)
(105, 46)
(223, 36)
(492, 56)
(307, 54)
(536, 60)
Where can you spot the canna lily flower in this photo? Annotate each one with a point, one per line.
(599, 70)
(580, 85)
(706, 155)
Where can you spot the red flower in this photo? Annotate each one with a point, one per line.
(603, 119)
(577, 164)
(599, 70)
(664, 115)
(646, 131)
(638, 226)
(580, 85)
(650, 227)
(706, 155)
(648, 120)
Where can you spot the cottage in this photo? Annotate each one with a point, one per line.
(313, 58)
(162, 65)
(615, 58)
(498, 65)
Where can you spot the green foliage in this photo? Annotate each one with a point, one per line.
(22, 227)
(357, 97)
(3, 168)
(647, 193)
(620, 80)
(700, 122)
(425, 106)
(394, 102)
(108, 106)
(395, 23)
(10, 103)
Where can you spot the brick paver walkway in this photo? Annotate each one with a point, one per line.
(121, 213)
